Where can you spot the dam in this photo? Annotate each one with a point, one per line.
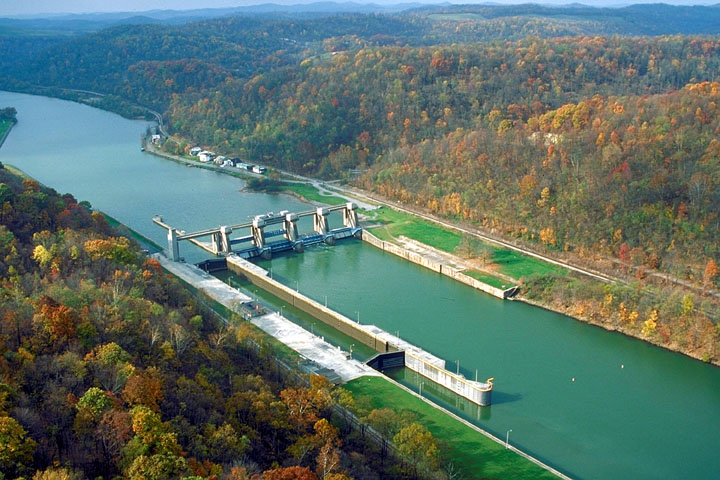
(260, 243)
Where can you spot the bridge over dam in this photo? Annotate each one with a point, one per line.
(236, 253)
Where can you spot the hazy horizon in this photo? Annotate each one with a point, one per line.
(39, 7)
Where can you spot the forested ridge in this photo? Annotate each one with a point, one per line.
(570, 130)
(328, 115)
(637, 177)
(109, 367)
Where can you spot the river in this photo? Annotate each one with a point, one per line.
(592, 403)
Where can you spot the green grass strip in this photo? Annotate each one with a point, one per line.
(510, 263)
(4, 127)
(491, 280)
(397, 223)
(312, 194)
(477, 456)
(516, 265)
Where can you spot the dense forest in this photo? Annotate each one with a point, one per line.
(586, 133)
(608, 175)
(108, 366)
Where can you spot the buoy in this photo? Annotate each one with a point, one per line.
(573, 379)
(622, 366)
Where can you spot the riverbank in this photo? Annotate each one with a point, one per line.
(571, 311)
(444, 237)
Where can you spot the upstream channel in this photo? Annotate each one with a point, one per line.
(633, 411)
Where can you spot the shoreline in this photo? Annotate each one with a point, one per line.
(522, 298)
(614, 329)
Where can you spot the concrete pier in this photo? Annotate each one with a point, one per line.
(441, 268)
(260, 277)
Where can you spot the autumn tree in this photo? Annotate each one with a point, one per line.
(711, 271)
(144, 388)
(16, 449)
(289, 473)
(153, 454)
(328, 457)
(416, 444)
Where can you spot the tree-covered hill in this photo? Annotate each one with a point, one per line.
(333, 113)
(644, 19)
(637, 177)
(109, 368)
(115, 60)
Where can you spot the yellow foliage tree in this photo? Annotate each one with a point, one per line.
(547, 236)
(650, 324)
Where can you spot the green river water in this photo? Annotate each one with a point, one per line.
(633, 411)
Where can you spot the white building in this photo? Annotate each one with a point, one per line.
(206, 156)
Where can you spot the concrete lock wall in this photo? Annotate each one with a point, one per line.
(437, 267)
(474, 391)
(259, 276)
(478, 393)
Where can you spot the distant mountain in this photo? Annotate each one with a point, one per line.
(95, 21)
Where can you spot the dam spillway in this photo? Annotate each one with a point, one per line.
(266, 234)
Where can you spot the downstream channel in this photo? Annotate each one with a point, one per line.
(632, 411)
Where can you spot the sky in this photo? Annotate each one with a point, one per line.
(31, 7)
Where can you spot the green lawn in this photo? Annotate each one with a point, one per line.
(312, 194)
(398, 223)
(489, 279)
(477, 456)
(516, 265)
(510, 263)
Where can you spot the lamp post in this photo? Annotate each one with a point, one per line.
(281, 311)
(351, 349)
(421, 385)
(358, 315)
(297, 286)
(507, 438)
